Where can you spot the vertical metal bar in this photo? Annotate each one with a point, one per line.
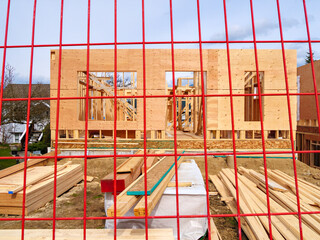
(86, 129)
(57, 126)
(290, 119)
(232, 118)
(4, 61)
(27, 123)
(115, 122)
(144, 118)
(261, 118)
(204, 119)
(174, 120)
(312, 63)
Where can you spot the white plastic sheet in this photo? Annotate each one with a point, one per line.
(192, 201)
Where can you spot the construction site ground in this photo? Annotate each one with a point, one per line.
(71, 203)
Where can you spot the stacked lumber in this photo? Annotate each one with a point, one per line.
(91, 234)
(127, 172)
(30, 163)
(126, 201)
(39, 187)
(253, 200)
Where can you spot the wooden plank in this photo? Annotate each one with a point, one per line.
(156, 195)
(131, 164)
(303, 192)
(126, 202)
(154, 177)
(40, 188)
(262, 206)
(309, 187)
(89, 178)
(272, 184)
(293, 207)
(290, 221)
(253, 222)
(124, 179)
(30, 162)
(180, 184)
(214, 231)
(92, 234)
(18, 189)
(152, 160)
(224, 192)
(42, 197)
(257, 207)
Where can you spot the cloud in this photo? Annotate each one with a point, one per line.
(238, 32)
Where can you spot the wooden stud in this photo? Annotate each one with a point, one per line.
(217, 134)
(153, 134)
(138, 134)
(163, 134)
(242, 134)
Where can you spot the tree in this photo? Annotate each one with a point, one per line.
(121, 82)
(308, 57)
(16, 111)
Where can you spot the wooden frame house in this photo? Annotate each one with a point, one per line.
(160, 109)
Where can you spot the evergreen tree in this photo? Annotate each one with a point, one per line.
(308, 57)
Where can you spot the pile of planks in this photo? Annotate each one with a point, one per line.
(39, 187)
(127, 172)
(33, 162)
(158, 178)
(282, 192)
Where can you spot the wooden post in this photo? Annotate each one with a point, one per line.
(208, 134)
(53, 135)
(277, 134)
(67, 134)
(217, 134)
(138, 134)
(266, 133)
(100, 134)
(76, 134)
(152, 134)
(187, 124)
(163, 134)
(242, 134)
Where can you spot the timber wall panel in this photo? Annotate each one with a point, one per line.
(158, 61)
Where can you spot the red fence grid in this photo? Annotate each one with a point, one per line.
(115, 44)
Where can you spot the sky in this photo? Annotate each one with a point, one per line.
(157, 26)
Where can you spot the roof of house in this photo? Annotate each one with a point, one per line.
(22, 90)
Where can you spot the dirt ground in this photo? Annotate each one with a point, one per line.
(71, 204)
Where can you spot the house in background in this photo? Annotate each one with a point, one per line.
(308, 137)
(14, 113)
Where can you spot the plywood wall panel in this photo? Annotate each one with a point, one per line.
(158, 61)
(275, 108)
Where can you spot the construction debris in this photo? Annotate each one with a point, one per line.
(39, 187)
(253, 200)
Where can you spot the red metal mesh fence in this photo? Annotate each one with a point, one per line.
(115, 44)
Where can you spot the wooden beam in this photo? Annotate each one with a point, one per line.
(18, 189)
(92, 234)
(30, 162)
(156, 195)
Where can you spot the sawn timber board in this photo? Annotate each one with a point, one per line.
(154, 177)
